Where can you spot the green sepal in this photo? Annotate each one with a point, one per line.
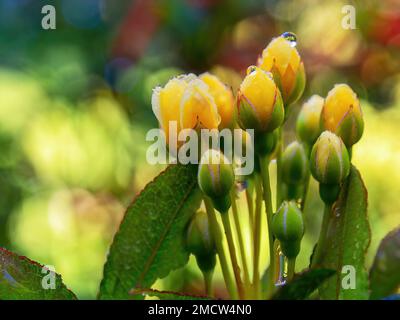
(329, 192)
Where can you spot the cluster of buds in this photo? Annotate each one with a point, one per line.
(340, 120)
(327, 130)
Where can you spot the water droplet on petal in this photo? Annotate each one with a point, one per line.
(270, 75)
(291, 37)
(251, 69)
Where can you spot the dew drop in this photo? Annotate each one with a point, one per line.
(269, 74)
(251, 69)
(291, 37)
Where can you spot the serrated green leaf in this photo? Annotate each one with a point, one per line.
(24, 279)
(385, 271)
(348, 239)
(303, 284)
(149, 243)
(166, 295)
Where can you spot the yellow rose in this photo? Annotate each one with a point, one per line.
(187, 101)
(281, 58)
(223, 98)
(259, 102)
(342, 114)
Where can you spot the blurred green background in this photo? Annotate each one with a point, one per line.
(75, 108)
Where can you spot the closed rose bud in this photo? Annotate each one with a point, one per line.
(200, 241)
(223, 98)
(342, 114)
(282, 59)
(329, 160)
(294, 164)
(216, 178)
(288, 227)
(186, 101)
(259, 102)
(308, 126)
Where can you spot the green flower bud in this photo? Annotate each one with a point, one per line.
(288, 228)
(342, 114)
(259, 102)
(294, 164)
(200, 241)
(308, 126)
(216, 178)
(329, 160)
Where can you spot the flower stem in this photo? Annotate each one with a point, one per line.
(306, 185)
(208, 283)
(305, 191)
(250, 207)
(230, 285)
(257, 237)
(264, 164)
(322, 237)
(291, 268)
(279, 168)
(232, 252)
(241, 242)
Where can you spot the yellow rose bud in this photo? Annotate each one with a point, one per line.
(329, 160)
(281, 58)
(223, 98)
(259, 102)
(342, 114)
(187, 101)
(308, 125)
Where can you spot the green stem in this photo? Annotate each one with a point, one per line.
(230, 285)
(279, 184)
(232, 252)
(291, 267)
(264, 164)
(257, 237)
(241, 242)
(322, 237)
(250, 207)
(305, 191)
(307, 149)
(208, 283)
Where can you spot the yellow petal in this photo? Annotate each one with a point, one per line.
(281, 54)
(260, 91)
(166, 101)
(340, 101)
(223, 98)
(198, 107)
